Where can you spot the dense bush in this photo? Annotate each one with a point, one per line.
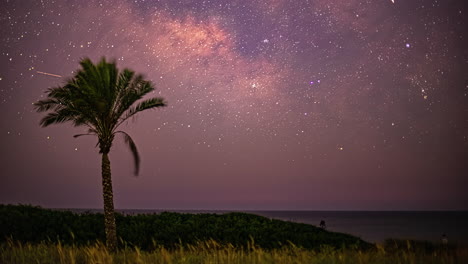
(34, 224)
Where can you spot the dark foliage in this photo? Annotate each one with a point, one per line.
(100, 98)
(34, 224)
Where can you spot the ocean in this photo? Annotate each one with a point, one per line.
(372, 226)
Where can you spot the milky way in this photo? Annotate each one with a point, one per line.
(281, 104)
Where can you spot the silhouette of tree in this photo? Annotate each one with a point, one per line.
(101, 98)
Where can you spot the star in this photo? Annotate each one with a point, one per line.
(256, 74)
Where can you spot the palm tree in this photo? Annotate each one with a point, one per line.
(101, 98)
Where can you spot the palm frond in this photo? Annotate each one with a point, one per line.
(151, 103)
(131, 144)
(55, 118)
(47, 104)
(124, 79)
(123, 82)
(80, 135)
(60, 92)
(135, 91)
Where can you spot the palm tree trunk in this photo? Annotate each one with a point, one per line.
(109, 216)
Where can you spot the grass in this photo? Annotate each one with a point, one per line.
(35, 235)
(212, 252)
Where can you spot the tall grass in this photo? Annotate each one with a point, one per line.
(213, 252)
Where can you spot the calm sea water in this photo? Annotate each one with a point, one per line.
(372, 226)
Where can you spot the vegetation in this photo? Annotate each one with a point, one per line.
(212, 252)
(34, 235)
(28, 224)
(101, 98)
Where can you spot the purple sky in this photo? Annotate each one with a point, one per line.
(280, 104)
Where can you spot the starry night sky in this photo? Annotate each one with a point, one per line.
(280, 104)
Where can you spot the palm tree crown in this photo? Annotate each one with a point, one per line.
(100, 98)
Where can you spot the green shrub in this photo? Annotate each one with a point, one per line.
(25, 223)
